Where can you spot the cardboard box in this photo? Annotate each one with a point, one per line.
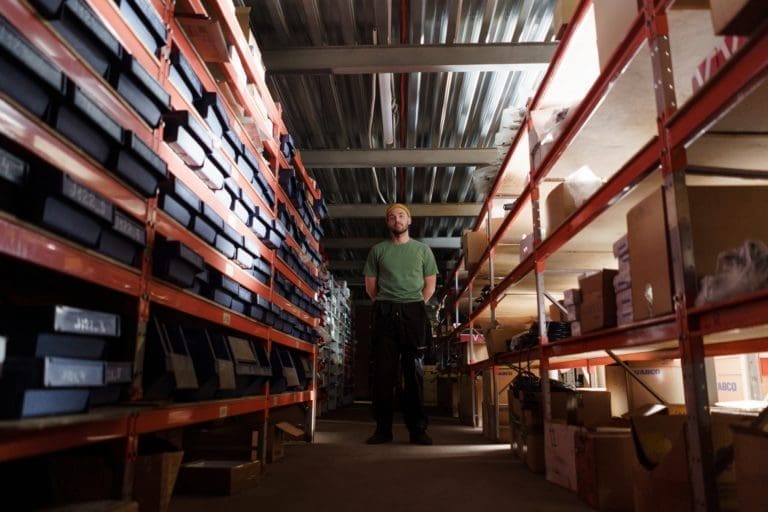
(564, 10)
(154, 480)
(502, 377)
(737, 17)
(604, 470)
(97, 506)
(233, 441)
(572, 296)
(560, 454)
(526, 246)
(576, 329)
(473, 244)
(218, 477)
(751, 445)
(574, 312)
(468, 410)
(664, 377)
(598, 301)
(613, 18)
(714, 229)
(430, 385)
(496, 340)
(558, 206)
(556, 314)
(590, 408)
(277, 435)
(529, 408)
(533, 448)
(621, 246)
(649, 257)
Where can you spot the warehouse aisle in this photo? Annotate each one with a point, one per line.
(339, 473)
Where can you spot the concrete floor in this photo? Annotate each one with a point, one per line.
(340, 473)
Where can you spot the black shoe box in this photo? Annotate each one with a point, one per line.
(184, 78)
(142, 92)
(84, 31)
(31, 403)
(118, 247)
(187, 137)
(224, 197)
(141, 167)
(203, 229)
(178, 211)
(68, 220)
(29, 342)
(238, 305)
(212, 217)
(59, 185)
(185, 195)
(233, 235)
(28, 78)
(244, 258)
(220, 161)
(222, 298)
(88, 127)
(251, 246)
(177, 263)
(129, 228)
(245, 295)
(145, 22)
(210, 174)
(14, 176)
(233, 146)
(212, 110)
(246, 165)
(224, 246)
(51, 372)
(260, 226)
(241, 212)
(219, 280)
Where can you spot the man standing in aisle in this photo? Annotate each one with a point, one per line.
(400, 277)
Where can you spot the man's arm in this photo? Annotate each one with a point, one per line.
(429, 287)
(371, 285)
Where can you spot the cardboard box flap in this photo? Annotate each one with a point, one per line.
(655, 436)
(289, 429)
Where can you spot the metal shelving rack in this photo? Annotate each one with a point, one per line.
(676, 335)
(28, 243)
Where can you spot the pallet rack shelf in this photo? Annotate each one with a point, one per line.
(632, 94)
(24, 243)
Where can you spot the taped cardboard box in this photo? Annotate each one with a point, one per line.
(751, 445)
(473, 244)
(737, 17)
(560, 454)
(598, 301)
(604, 463)
(218, 477)
(154, 480)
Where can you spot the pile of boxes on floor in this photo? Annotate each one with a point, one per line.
(220, 459)
(336, 348)
(636, 462)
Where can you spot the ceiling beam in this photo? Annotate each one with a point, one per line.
(346, 60)
(365, 158)
(375, 211)
(362, 243)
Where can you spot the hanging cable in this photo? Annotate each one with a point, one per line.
(370, 126)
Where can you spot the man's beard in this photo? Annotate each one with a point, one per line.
(397, 232)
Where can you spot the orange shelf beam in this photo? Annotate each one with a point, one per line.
(20, 442)
(177, 416)
(290, 398)
(30, 244)
(289, 341)
(169, 296)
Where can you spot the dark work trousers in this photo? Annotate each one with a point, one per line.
(399, 336)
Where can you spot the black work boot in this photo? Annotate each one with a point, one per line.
(420, 437)
(380, 437)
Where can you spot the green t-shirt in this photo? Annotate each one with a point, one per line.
(400, 269)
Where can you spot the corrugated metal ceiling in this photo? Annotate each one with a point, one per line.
(444, 110)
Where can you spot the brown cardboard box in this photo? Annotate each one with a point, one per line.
(613, 18)
(560, 454)
(529, 408)
(503, 377)
(564, 10)
(649, 258)
(604, 470)
(234, 441)
(473, 244)
(722, 218)
(97, 506)
(277, 434)
(510, 237)
(572, 296)
(556, 315)
(664, 377)
(558, 206)
(154, 479)
(590, 408)
(598, 301)
(714, 227)
(751, 445)
(496, 339)
(737, 17)
(533, 447)
(466, 389)
(218, 477)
